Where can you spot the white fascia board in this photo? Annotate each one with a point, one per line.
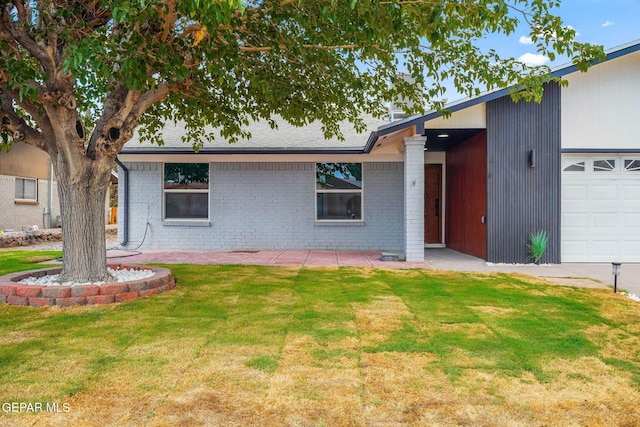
(255, 158)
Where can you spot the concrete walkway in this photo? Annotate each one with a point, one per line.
(573, 274)
(328, 258)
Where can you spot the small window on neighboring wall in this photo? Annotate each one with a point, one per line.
(186, 191)
(607, 165)
(632, 165)
(339, 191)
(26, 189)
(572, 165)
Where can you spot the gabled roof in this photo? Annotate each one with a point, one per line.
(418, 120)
(289, 139)
(286, 139)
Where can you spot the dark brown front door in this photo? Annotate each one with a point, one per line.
(433, 203)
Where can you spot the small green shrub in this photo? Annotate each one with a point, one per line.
(539, 243)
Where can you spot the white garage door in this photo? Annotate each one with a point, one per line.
(601, 208)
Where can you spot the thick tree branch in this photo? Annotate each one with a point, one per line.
(122, 111)
(22, 11)
(168, 18)
(30, 107)
(143, 103)
(16, 126)
(20, 34)
(149, 98)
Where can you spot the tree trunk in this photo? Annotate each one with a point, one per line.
(82, 205)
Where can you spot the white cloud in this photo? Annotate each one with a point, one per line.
(571, 28)
(608, 23)
(533, 59)
(525, 40)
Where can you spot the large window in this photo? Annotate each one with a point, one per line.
(26, 189)
(186, 191)
(339, 191)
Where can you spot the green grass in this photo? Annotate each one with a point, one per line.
(13, 261)
(263, 363)
(534, 329)
(499, 325)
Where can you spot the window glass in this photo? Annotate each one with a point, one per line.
(339, 191)
(194, 176)
(339, 205)
(339, 176)
(26, 189)
(632, 165)
(573, 166)
(604, 165)
(186, 205)
(186, 191)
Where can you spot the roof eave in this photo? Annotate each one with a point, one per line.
(248, 151)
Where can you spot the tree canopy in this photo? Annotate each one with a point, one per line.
(223, 62)
(77, 77)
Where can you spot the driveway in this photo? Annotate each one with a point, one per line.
(578, 274)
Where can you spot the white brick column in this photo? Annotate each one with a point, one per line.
(414, 198)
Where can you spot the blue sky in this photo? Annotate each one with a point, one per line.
(609, 23)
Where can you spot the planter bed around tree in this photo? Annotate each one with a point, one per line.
(15, 293)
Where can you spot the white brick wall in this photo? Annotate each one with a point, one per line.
(414, 198)
(16, 216)
(266, 206)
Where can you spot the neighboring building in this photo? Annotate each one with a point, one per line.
(479, 182)
(28, 190)
(28, 194)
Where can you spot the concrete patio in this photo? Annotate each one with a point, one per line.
(572, 274)
(308, 258)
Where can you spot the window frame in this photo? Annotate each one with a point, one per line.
(574, 161)
(166, 191)
(318, 191)
(23, 199)
(625, 169)
(599, 169)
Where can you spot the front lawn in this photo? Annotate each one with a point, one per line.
(254, 346)
(12, 261)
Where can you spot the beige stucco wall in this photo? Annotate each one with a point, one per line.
(25, 161)
(472, 117)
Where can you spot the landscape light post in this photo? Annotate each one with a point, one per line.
(616, 272)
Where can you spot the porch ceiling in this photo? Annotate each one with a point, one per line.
(437, 141)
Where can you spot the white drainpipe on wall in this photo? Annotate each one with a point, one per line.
(49, 207)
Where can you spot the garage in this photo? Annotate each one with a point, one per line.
(601, 208)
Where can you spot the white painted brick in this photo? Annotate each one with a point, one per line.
(267, 206)
(414, 198)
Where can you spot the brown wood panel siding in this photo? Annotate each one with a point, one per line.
(467, 197)
(523, 199)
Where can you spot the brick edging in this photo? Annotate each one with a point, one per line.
(14, 293)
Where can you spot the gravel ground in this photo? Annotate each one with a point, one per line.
(118, 275)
